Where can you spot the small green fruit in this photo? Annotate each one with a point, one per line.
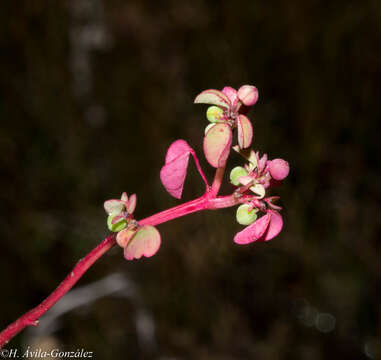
(214, 113)
(236, 173)
(245, 215)
(118, 225)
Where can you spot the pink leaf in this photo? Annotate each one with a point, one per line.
(231, 94)
(245, 132)
(254, 231)
(173, 173)
(262, 162)
(123, 237)
(245, 180)
(214, 97)
(146, 242)
(177, 148)
(217, 142)
(275, 227)
(131, 204)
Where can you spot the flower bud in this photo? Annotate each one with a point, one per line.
(236, 173)
(214, 113)
(279, 169)
(248, 94)
(119, 225)
(246, 215)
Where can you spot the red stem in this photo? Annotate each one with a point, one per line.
(189, 207)
(218, 177)
(32, 316)
(195, 158)
(207, 201)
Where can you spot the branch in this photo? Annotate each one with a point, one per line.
(31, 318)
(218, 177)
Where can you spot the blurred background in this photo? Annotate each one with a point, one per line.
(93, 92)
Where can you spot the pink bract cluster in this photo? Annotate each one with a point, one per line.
(136, 240)
(262, 174)
(226, 113)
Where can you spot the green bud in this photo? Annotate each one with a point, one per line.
(245, 216)
(236, 173)
(214, 113)
(118, 225)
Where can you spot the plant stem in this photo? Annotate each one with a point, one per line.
(208, 201)
(32, 316)
(189, 207)
(218, 177)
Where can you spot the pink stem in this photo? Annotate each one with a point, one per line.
(200, 169)
(32, 316)
(218, 177)
(189, 207)
(207, 201)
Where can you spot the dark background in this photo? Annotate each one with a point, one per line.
(93, 92)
